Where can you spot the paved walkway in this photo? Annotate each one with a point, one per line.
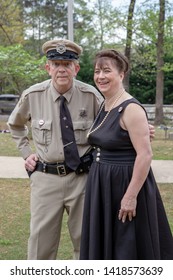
(13, 167)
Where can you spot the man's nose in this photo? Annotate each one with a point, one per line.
(61, 68)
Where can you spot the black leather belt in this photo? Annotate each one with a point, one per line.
(53, 168)
(62, 169)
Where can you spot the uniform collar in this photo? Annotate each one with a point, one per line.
(56, 94)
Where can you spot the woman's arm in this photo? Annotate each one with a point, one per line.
(134, 120)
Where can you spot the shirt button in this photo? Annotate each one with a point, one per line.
(98, 154)
(98, 149)
(97, 159)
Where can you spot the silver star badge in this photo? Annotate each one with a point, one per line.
(83, 113)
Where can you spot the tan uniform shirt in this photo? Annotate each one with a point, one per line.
(40, 105)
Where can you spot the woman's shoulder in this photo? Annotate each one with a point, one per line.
(130, 104)
(129, 99)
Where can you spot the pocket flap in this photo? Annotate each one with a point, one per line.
(82, 125)
(40, 124)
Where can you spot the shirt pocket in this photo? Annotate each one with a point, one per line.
(80, 130)
(42, 133)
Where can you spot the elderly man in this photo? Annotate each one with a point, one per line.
(59, 166)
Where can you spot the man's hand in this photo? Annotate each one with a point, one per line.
(152, 131)
(30, 162)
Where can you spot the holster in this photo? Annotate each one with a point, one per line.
(86, 161)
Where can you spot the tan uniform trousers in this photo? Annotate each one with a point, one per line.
(50, 196)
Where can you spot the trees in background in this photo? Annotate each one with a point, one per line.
(11, 23)
(160, 64)
(19, 69)
(128, 46)
(146, 44)
(25, 25)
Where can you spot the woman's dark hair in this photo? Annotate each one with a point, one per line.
(117, 58)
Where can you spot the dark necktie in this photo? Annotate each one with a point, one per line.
(71, 154)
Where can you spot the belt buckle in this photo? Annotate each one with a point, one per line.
(61, 170)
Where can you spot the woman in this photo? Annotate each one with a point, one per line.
(124, 217)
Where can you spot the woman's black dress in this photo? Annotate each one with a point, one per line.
(148, 235)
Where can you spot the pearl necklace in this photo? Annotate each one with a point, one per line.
(107, 114)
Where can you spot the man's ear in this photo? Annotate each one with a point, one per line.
(77, 68)
(47, 67)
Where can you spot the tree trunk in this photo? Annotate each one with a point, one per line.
(159, 118)
(100, 6)
(6, 34)
(129, 40)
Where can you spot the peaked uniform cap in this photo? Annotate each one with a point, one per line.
(61, 49)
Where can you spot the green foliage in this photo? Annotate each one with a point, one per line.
(97, 24)
(19, 69)
(144, 56)
(45, 19)
(143, 75)
(86, 71)
(11, 23)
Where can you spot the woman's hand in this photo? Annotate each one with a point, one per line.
(128, 208)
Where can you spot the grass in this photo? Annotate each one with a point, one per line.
(15, 216)
(7, 145)
(162, 146)
(15, 200)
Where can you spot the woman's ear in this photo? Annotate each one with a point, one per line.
(122, 75)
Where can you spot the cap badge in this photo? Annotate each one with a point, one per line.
(61, 48)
